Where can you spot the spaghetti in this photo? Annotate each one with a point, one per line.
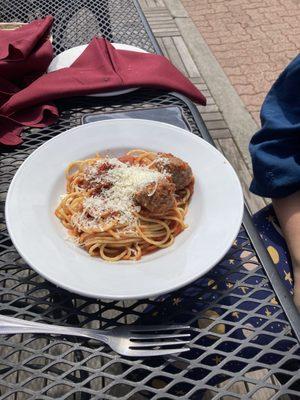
(123, 208)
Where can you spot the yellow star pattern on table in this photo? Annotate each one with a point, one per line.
(217, 359)
(231, 261)
(244, 289)
(274, 254)
(234, 243)
(176, 301)
(229, 285)
(235, 314)
(274, 301)
(268, 312)
(287, 277)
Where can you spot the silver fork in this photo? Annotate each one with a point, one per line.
(130, 340)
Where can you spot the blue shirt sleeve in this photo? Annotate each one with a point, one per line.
(275, 148)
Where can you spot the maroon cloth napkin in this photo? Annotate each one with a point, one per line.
(25, 54)
(100, 68)
(25, 71)
(17, 44)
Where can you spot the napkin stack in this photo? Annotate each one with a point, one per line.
(100, 68)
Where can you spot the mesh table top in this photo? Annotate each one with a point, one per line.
(239, 324)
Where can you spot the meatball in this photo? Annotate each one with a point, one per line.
(180, 171)
(157, 197)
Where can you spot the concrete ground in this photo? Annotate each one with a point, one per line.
(252, 40)
(233, 50)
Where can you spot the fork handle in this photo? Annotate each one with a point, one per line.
(10, 325)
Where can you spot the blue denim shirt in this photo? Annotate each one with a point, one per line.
(275, 148)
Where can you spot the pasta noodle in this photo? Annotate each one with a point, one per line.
(102, 215)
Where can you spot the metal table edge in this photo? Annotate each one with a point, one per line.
(147, 27)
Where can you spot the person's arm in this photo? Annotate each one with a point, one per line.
(275, 152)
(288, 212)
(275, 148)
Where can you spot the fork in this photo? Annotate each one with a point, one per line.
(130, 340)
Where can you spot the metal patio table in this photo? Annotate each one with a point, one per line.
(243, 319)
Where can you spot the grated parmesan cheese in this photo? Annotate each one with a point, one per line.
(160, 160)
(81, 221)
(153, 190)
(92, 171)
(125, 181)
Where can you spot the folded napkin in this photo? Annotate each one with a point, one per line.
(25, 71)
(17, 44)
(100, 68)
(25, 54)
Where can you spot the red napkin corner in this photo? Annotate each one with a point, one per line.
(100, 68)
(25, 54)
(17, 44)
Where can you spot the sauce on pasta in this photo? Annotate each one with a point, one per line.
(123, 208)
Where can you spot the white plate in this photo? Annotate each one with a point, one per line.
(214, 215)
(67, 57)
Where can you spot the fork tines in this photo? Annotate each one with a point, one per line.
(146, 338)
